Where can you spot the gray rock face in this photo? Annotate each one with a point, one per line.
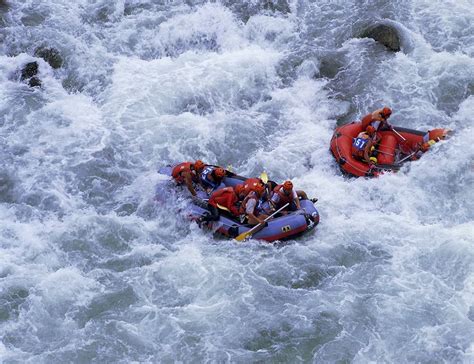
(384, 34)
(50, 55)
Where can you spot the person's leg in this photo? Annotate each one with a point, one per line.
(212, 216)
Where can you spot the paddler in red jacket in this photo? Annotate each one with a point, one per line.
(223, 199)
(377, 119)
(188, 173)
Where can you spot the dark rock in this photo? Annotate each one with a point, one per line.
(29, 70)
(50, 55)
(384, 34)
(34, 82)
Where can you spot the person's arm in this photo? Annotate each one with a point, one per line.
(297, 200)
(367, 152)
(230, 203)
(366, 120)
(254, 220)
(275, 199)
(189, 183)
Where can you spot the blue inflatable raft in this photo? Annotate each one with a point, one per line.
(281, 227)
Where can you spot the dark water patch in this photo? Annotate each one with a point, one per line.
(198, 41)
(93, 241)
(245, 9)
(197, 104)
(101, 12)
(122, 264)
(110, 305)
(33, 19)
(101, 176)
(470, 314)
(3, 15)
(454, 86)
(284, 340)
(352, 254)
(126, 209)
(312, 277)
(331, 64)
(132, 7)
(7, 186)
(10, 302)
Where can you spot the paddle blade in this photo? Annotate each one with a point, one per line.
(222, 207)
(243, 236)
(264, 177)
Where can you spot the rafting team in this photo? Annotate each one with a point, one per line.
(257, 198)
(252, 201)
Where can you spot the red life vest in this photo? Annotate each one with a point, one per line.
(284, 198)
(250, 184)
(250, 195)
(177, 172)
(225, 197)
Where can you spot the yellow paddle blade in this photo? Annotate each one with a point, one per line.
(243, 236)
(222, 207)
(264, 177)
(229, 168)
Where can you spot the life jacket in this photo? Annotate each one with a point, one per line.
(358, 146)
(243, 205)
(225, 197)
(283, 197)
(250, 184)
(177, 172)
(206, 178)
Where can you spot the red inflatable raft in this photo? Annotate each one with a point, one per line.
(396, 147)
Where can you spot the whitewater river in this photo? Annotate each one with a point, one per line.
(94, 269)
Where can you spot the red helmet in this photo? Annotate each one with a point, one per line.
(199, 165)
(370, 130)
(386, 112)
(288, 185)
(219, 172)
(239, 189)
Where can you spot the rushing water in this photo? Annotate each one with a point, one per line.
(93, 269)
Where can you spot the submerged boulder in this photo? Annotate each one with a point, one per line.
(29, 72)
(50, 55)
(384, 34)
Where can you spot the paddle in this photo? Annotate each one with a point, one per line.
(258, 227)
(264, 177)
(400, 135)
(223, 208)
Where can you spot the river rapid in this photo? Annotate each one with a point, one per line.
(94, 269)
